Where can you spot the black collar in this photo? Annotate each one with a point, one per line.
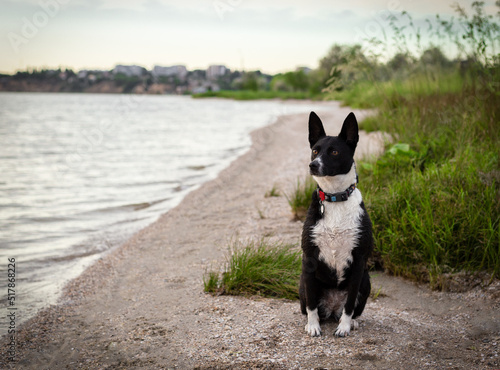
(336, 197)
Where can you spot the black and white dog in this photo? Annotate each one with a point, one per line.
(337, 236)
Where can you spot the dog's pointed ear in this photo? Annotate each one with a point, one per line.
(316, 130)
(349, 131)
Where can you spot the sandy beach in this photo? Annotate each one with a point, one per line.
(143, 305)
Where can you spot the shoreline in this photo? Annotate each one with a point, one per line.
(142, 305)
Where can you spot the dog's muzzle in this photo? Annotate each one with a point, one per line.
(315, 168)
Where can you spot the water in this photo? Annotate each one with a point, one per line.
(80, 173)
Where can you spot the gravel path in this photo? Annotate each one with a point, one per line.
(143, 306)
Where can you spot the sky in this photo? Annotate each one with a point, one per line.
(272, 36)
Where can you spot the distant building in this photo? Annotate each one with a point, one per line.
(197, 74)
(178, 71)
(82, 74)
(216, 71)
(129, 70)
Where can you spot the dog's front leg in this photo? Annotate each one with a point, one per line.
(312, 327)
(311, 299)
(346, 322)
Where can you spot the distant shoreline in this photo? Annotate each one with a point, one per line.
(216, 81)
(108, 88)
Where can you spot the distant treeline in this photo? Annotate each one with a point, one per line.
(340, 68)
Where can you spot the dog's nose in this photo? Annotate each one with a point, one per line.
(314, 167)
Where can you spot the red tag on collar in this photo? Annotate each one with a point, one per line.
(321, 195)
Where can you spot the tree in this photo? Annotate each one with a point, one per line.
(399, 62)
(435, 57)
(343, 65)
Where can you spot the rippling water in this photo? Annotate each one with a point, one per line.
(80, 173)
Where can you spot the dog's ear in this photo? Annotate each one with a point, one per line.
(349, 131)
(316, 130)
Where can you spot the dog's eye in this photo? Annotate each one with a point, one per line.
(315, 152)
(335, 152)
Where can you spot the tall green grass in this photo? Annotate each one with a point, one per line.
(435, 206)
(388, 94)
(258, 268)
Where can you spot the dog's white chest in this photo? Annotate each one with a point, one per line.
(337, 232)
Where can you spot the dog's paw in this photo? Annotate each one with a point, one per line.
(343, 330)
(345, 325)
(313, 330)
(312, 327)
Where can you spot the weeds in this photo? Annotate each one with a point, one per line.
(377, 294)
(258, 268)
(274, 192)
(436, 212)
(211, 282)
(300, 198)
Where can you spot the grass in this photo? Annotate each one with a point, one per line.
(274, 192)
(377, 294)
(434, 201)
(258, 268)
(376, 94)
(253, 95)
(300, 199)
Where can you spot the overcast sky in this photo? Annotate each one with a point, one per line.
(271, 35)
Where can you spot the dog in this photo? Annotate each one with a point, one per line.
(337, 234)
